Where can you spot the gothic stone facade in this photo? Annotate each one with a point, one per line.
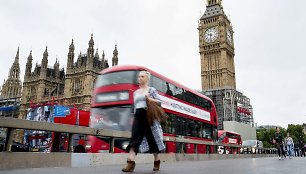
(47, 84)
(11, 91)
(40, 85)
(81, 75)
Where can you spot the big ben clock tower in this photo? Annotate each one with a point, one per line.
(216, 48)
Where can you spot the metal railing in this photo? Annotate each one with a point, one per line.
(12, 124)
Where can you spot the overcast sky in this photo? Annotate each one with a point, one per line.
(162, 35)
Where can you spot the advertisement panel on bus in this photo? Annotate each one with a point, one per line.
(43, 141)
(39, 141)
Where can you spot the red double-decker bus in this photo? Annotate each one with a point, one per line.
(191, 114)
(44, 141)
(229, 137)
(60, 140)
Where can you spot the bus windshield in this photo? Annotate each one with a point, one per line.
(221, 137)
(249, 143)
(115, 118)
(119, 77)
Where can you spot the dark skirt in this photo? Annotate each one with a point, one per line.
(141, 129)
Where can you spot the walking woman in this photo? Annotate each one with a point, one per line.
(290, 145)
(145, 137)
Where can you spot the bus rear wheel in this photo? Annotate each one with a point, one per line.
(79, 149)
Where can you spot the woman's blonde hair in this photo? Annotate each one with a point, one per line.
(147, 73)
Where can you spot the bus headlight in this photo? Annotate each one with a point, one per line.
(253, 149)
(87, 147)
(112, 96)
(125, 145)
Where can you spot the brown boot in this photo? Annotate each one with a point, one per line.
(130, 166)
(156, 165)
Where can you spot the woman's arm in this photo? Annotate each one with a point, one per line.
(153, 95)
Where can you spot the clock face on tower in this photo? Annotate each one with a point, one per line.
(211, 34)
(229, 36)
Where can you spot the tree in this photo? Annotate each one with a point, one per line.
(266, 136)
(296, 132)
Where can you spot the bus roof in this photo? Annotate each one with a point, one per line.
(222, 131)
(136, 67)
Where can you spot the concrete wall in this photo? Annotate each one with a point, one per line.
(247, 132)
(21, 160)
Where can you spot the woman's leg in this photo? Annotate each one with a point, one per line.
(153, 147)
(130, 164)
(132, 154)
(278, 149)
(156, 162)
(138, 133)
(283, 151)
(156, 157)
(289, 150)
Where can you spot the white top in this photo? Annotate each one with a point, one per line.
(140, 97)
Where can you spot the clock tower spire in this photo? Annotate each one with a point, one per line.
(214, 2)
(216, 48)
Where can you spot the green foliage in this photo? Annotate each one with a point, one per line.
(295, 131)
(266, 136)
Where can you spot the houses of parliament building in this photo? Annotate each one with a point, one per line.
(50, 84)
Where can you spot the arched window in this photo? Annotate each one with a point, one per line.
(32, 92)
(14, 92)
(46, 93)
(77, 85)
(10, 93)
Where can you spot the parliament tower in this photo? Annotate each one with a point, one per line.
(216, 48)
